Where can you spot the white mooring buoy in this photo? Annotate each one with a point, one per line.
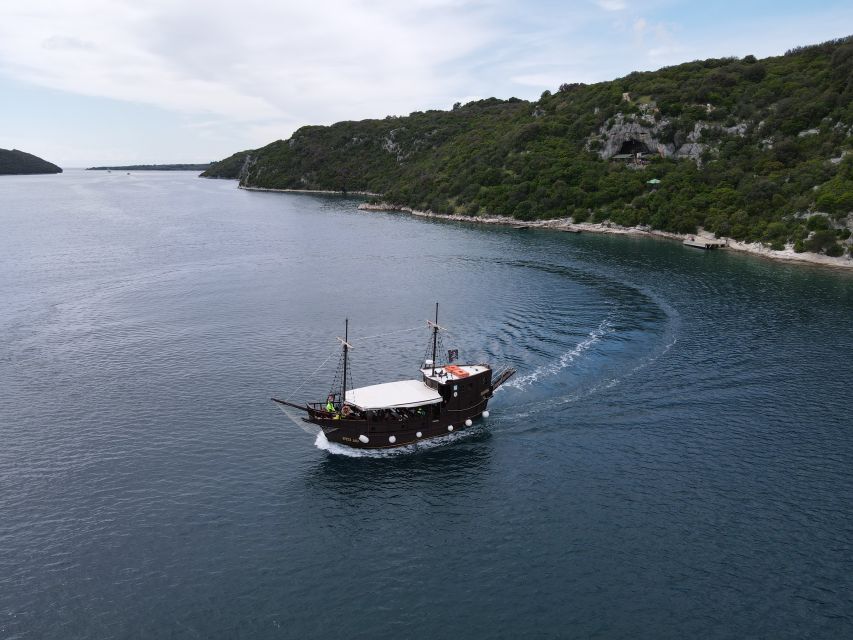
(419, 434)
(450, 427)
(485, 414)
(364, 438)
(392, 439)
(468, 422)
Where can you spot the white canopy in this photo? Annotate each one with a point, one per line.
(391, 395)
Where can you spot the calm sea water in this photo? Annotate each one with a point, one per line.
(674, 458)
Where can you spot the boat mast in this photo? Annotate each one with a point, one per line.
(346, 350)
(434, 337)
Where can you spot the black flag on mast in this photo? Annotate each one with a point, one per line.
(452, 354)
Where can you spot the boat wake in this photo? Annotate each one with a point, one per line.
(336, 449)
(565, 360)
(609, 383)
(605, 380)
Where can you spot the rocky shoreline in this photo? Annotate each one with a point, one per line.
(565, 224)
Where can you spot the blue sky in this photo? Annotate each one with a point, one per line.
(87, 82)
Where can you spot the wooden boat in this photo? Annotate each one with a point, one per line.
(446, 398)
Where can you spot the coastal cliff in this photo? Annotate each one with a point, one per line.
(758, 151)
(15, 162)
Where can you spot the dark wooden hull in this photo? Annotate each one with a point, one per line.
(462, 400)
(386, 434)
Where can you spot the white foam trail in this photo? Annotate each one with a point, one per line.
(599, 386)
(604, 385)
(340, 450)
(553, 368)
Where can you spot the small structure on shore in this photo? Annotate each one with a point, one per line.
(704, 243)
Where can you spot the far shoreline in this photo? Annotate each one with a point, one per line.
(567, 225)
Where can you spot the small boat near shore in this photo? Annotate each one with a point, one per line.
(703, 243)
(444, 398)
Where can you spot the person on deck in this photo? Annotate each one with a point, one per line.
(330, 404)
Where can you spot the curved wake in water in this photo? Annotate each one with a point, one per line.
(566, 359)
(640, 330)
(609, 383)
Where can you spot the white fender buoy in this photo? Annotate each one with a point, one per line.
(419, 434)
(455, 394)
(450, 427)
(468, 422)
(485, 414)
(392, 439)
(363, 438)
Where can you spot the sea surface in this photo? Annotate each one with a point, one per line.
(674, 458)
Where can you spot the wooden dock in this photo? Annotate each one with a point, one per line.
(704, 243)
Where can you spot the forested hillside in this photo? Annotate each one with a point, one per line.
(14, 162)
(749, 149)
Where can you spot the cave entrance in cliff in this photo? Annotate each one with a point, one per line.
(633, 147)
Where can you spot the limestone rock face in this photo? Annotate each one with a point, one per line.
(247, 165)
(692, 151)
(622, 132)
(630, 135)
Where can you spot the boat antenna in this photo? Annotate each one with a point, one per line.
(346, 345)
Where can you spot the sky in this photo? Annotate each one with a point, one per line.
(93, 82)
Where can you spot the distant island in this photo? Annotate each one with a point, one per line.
(154, 167)
(15, 162)
(758, 151)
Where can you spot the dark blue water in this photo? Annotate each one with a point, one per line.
(674, 458)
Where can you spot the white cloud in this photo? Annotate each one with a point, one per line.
(269, 64)
(62, 42)
(225, 75)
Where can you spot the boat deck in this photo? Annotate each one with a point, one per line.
(453, 372)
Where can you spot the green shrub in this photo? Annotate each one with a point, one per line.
(823, 242)
(835, 250)
(816, 223)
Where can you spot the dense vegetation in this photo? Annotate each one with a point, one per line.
(14, 162)
(774, 149)
(154, 167)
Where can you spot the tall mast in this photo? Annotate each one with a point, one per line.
(434, 338)
(346, 351)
